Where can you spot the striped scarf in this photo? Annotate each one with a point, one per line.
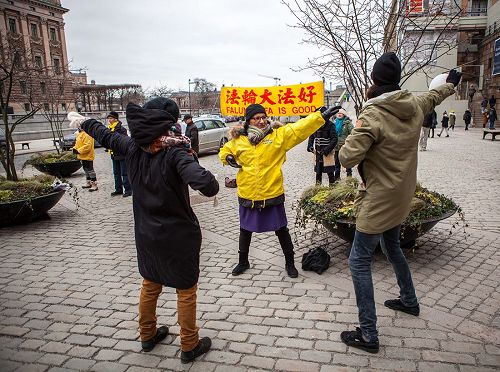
(255, 135)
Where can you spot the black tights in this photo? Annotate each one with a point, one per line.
(283, 236)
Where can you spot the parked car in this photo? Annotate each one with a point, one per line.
(70, 140)
(212, 131)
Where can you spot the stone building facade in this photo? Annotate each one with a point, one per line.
(32, 37)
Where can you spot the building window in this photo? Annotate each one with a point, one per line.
(32, 8)
(23, 87)
(46, 107)
(43, 87)
(27, 107)
(57, 65)
(63, 106)
(53, 34)
(34, 30)
(52, 14)
(38, 62)
(12, 25)
(61, 88)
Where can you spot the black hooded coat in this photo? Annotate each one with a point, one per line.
(167, 232)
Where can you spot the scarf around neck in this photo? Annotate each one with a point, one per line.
(171, 139)
(255, 135)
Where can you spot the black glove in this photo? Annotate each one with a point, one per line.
(454, 77)
(310, 149)
(232, 161)
(327, 113)
(75, 151)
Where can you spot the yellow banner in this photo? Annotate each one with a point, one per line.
(291, 100)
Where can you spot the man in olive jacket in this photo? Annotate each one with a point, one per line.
(384, 146)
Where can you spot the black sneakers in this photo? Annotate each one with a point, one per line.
(291, 270)
(355, 339)
(203, 346)
(160, 335)
(115, 193)
(398, 305)
(241, 268)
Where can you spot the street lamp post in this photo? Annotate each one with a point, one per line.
(189, 94)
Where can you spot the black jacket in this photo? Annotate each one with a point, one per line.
(324, 140)
(167, 232)
(122, 130)
(467, 117)
(444, 121)
(192, 134)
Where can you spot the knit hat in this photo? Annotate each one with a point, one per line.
(253, 109)
(387, 70)
(187, 116)
(165, 104)
(112, 114)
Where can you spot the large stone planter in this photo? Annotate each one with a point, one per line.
(345, 229)
(59, 169)
(24, 211)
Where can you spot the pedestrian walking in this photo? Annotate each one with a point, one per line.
(467, 118)
(84, 150)
(343, 126)
(434, 123)
(259, 152)
(122, 184)
(484, 103)
(322, 144)
(453, 119)
(444, 124)
(492, 117)
(426, 126)
(192, 133)
(384, 146)
(492, 101)
(167, 232)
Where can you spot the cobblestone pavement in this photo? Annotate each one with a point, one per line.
(69, 285)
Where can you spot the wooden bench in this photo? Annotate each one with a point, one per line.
(25, 144)
(493, 133)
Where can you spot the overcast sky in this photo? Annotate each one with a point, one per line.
(167, 42)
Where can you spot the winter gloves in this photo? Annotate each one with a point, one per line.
(327, 113)
(232, 161)
(75, 151)
(75, 119)
(454, 77)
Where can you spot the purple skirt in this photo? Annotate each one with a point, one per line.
(270, 218)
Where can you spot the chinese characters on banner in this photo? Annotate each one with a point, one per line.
(291, 100)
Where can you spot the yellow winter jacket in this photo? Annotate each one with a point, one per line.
(85, 146)
(260, 176)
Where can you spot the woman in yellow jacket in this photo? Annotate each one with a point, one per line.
(259, 152)
(84, 150)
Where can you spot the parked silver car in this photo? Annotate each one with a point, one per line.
(212, 132)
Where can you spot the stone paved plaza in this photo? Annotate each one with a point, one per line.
(69, 285)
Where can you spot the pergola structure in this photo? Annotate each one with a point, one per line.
(99, 97)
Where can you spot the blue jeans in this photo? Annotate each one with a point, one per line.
(360, 262)
(120, 173)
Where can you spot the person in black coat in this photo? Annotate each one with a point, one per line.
(322, 143)
(122, 185)
(167, 232)
(192, 133)
(444, 124)
(467, 118)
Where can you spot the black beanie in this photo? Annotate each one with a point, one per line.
(253, 109)
(387, 70)
(112, 114)
(165, 104)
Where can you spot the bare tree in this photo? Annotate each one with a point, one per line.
(204, 93)
(352, 34)
(159, 91)
(15, 71)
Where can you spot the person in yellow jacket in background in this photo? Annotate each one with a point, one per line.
(84, 150)
(259, 152)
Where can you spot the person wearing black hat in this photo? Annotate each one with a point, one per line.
(167, 232)
(384, 146)
(192, 133)
(122, 185)
(259, 151)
